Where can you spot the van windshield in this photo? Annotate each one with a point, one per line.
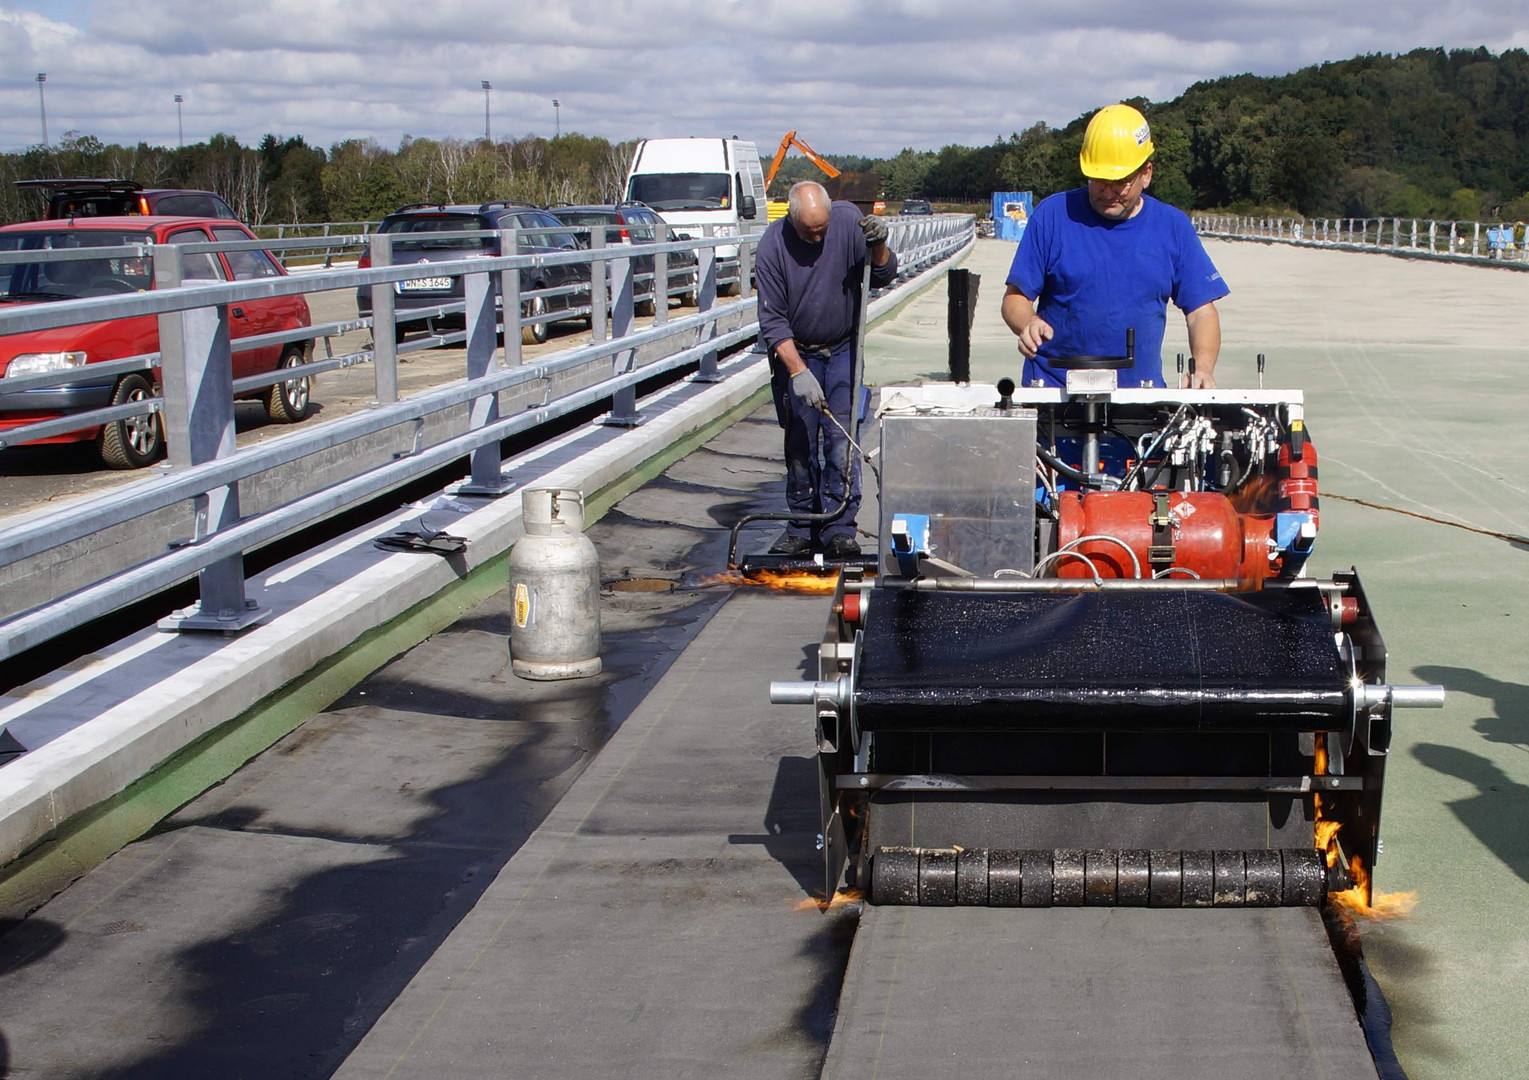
(682, 191)
(74, 278)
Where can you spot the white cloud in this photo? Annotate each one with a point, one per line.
(856, 76)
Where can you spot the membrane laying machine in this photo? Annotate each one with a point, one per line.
(1092, 668)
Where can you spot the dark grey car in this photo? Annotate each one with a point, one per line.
(635, 223)
(412, 228)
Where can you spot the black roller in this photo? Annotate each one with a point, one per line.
(1264, 874)
(1065, 877)
(1037, 873)
(1067, 886)
(1231, 879)
(1199, 879)
(1133, 883)
(894, 876)
(973, 878)
(1100, 869)
(1167, 878)
(937, 877)
(1005, 881)
(1305, 877)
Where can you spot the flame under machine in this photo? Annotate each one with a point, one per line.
(1092, 669)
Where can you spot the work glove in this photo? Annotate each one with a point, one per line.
(807, 390)
(875, 230)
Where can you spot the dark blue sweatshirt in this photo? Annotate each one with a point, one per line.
(808, 292)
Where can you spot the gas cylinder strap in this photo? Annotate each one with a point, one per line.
(1160, 554)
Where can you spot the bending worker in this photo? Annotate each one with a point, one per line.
(808, 269)
(1102, 259)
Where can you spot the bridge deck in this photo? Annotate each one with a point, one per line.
(415, 884)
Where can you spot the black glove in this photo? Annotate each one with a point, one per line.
(875, 230)
(807, 390)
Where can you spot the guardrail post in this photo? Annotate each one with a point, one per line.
(509, 303)
(384, 332)
(597, 273)
(745, 269)
(661, 276)
(482, 362)
(197, 375)
(623, 288)
(1475, 239)
(705, 300)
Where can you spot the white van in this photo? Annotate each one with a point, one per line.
(697, 182)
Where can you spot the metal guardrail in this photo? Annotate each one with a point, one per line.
(196, 404)
(1498, 242)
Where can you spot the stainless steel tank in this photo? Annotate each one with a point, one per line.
(554, 589)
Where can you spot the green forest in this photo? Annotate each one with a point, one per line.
(1431, 134)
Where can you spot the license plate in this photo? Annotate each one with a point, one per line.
(424, 284)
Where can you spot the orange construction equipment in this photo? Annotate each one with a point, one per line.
(861, 189)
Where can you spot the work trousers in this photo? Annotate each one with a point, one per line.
(815, 447)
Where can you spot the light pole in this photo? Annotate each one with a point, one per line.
(487, 86)
(557, 120)
(42, 106)
(180, 128)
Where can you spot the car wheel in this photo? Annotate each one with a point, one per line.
(138, 440)
(288, 402)
(535, 333)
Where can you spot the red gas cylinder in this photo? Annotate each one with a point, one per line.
(1208, 535)
(1298, 478)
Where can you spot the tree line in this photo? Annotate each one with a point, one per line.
(1433, 133)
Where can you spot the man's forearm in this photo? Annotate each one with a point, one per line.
(1204, 325)
(786, 351)
(1017, 310)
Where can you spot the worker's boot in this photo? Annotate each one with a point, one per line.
(791, 544)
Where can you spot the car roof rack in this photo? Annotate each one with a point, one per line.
(505, 204)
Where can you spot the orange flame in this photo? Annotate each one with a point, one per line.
(1397, 905)
(841, 899)
(778, 580)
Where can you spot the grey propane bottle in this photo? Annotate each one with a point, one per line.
(554, 589)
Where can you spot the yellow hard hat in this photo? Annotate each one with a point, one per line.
(1116, 143)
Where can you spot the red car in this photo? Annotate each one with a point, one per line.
(138, 441)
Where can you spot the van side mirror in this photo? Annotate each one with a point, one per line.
(747, 207)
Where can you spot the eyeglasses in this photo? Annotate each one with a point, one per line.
(1123, 183)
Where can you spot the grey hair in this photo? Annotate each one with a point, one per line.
(794, 198)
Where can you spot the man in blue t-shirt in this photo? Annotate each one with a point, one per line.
(1102, 259)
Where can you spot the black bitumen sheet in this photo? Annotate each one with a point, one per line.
(1095, 994)
(647, 929)
(1158, 661)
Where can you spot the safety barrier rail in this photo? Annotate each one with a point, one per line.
(1501, 242)
(196, 402)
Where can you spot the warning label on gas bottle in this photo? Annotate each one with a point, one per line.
(522, 604)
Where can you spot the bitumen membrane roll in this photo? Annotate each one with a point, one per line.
(1147, 661)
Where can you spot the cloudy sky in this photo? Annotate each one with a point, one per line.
(852, 76)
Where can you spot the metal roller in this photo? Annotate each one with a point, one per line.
(973, 878)
(1065, 877)
(1199, 879)
(1167, 878)
(1067, 880)
(1264, 873)
(894, 876)
(1037, 873)
(937, 877)
(1304, 878)
(1230, 879)
(1100, 872)
(1133, 888)
(1005, 881)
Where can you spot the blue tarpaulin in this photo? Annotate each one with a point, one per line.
(1011, 211)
